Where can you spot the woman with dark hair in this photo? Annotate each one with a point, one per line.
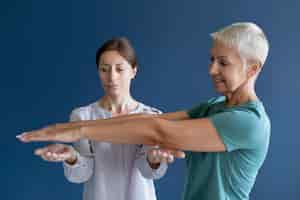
(111, 171)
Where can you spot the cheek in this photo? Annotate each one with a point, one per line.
(236, 79)
(126, 76)
(102, 77)
(125, 81)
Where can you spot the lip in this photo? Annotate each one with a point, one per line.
(112, 86)
(218, 80)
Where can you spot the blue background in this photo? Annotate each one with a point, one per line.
(47, 59)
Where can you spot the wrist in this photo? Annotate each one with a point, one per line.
(82, 132)
(73, 159)
(153, 165)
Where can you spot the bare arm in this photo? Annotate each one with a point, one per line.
(179, 115)
(188, 134)
(171, 130)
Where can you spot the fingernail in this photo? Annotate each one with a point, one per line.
(19, 136)
(38, 152)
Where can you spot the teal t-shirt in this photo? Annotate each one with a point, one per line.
(230, 175)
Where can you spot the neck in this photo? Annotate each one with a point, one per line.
(118, 105)
(243, 94)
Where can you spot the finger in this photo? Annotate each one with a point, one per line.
(159, 157)
(163, 156)
(175, 153)
(53, 157)
(50, 148)
(38, 135)
(47, 156)
(179, 154)
(153, 156)
(40, 151)
(62, 149)
(64, 156)
(170, 159)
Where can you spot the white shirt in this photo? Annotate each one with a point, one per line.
(112, 171)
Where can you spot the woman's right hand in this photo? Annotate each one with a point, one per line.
(57, 153)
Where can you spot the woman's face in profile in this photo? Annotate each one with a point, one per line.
(115, 73)
(226, 68)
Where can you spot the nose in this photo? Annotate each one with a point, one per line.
(112, 75)
(213, 69)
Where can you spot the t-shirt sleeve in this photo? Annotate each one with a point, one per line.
(239, 129)
(198, 111)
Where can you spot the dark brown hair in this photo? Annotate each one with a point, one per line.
(122, 46)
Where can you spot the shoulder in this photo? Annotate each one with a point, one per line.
(202, 109)
(250, 117)
(82, 112)
(255, 109)
(249, 113)
(243, 126)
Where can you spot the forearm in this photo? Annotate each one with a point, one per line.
(128, 131)
(179, 115)
(147, 130)
(133, 129)
(194, 135)
(191, 134)
(148, 169)
(81, 171)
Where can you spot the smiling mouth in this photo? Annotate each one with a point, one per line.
(218, 80)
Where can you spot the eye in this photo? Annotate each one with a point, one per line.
(104, 68)
(120, 69)
(211, 59)
(223, 63)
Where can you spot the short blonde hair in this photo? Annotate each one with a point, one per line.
(248, 38)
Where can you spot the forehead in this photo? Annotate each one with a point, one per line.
(112, 57)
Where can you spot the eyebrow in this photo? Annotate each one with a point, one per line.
(110, 65)
(221, 57)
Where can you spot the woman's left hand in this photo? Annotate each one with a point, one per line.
(66, 132)
(158, 155)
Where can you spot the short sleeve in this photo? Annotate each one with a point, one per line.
(84, 147)
(198, 111)
(74, 116)
(202, 109)
(79, 114)
(239, 129)
(151, 110)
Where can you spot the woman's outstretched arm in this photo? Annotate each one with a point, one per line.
(170, 130)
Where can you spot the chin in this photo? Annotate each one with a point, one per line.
(221, 90)
(112, 93)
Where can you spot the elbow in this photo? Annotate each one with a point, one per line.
(144, 115)
(78, 178)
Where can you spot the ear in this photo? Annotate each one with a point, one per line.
(134, 72)
(253, 69)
